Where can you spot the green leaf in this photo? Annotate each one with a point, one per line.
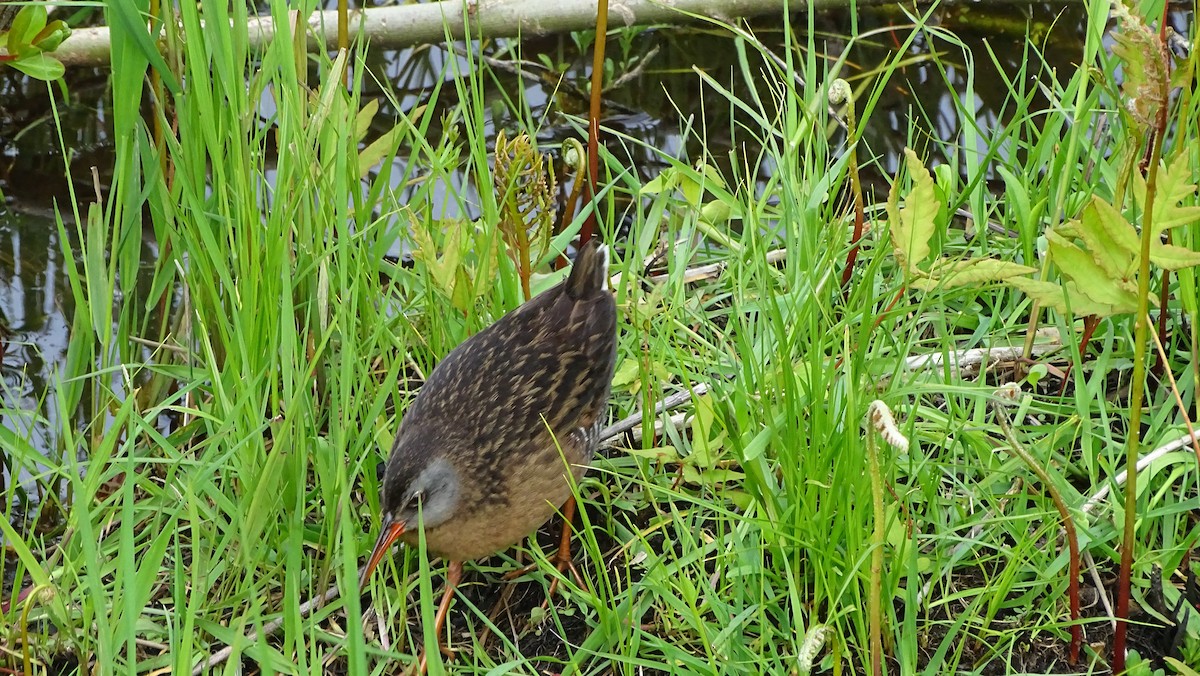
(461, 295)
(663, 183)
(664, 454)
(970, 272)
(50, 37)
(125, 19)
(626, 374)
(1188, 293)
(1173, 257)
(1054, 296)
(1111, 240)
(1181, 668)
(706, 446)
(912, 226)
(692, 192)
(715, 212)
(25, 26)
(362, 121)
(39, 66)
(1174, 185)
(379, 149)
(1017, 196)
(1091, 279)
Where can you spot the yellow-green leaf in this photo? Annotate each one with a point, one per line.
(1174, 185)
(976, 271)
(1091, 279)
(706, 443)
(380, 148)
(461, 295)
(625, 374)
(362, 121)
(39, 66)
(912, 226)
(1173, 257)
(665, 454)
(1111, 240)
(715, 212)
(1048, 294)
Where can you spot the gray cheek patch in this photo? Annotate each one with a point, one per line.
(441, 486)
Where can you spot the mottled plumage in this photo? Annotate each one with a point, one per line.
(485, 446)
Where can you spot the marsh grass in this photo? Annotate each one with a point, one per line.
(225, 470)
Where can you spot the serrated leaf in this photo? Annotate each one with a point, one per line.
(1081, 304)
(1090, 278)
(1048, 294)
(1068, 230)
(444, 268)
(975, 271)
(1054, 296)
(664, 454)
(1174, 185)
(1111, 240)
(1173, 257)
(912, 226)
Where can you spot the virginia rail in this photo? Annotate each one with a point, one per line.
(481, 456)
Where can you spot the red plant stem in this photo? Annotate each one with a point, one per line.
(593, 149)
(1089, 327)
(878, 320)
(1138, 390)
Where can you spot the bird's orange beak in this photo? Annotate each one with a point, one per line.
(387, 537)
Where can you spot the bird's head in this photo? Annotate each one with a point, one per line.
(428, 497)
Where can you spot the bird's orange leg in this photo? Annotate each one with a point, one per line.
(453, 576)
(562, 561)
(562, 558)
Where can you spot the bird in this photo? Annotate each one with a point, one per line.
(481, 458)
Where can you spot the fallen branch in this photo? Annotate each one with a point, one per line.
(1142, 463)
(973, 357)
(400, 26)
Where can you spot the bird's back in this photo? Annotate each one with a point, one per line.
(504, 403)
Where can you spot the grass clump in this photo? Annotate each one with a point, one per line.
(314, 262)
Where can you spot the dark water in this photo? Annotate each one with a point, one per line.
(655, 107)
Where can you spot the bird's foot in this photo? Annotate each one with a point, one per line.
(562, 562)
(422, 665)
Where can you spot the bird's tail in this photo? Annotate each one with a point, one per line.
(589, 274)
